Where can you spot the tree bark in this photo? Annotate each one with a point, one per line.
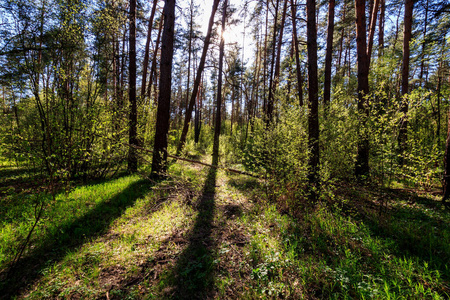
(313, 89)
(201, 66)
(215, 154)
(268, 112)
(402, 136)
(276, 76)
(362, 159)
(264, 104)
(188, 82)
(198, 114)
(381, 28)
(328, 57)
(132, 138)
(159, 162)
(147, 50)
(422, 55)
(446, 179)
(372, 25)
(155, 55)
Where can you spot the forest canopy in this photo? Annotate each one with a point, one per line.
(71, 97)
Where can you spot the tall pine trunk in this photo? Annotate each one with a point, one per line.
(152, 80)
(381, 28)
(276, 75)
(402, 135)
(147, 50)
(159, 162)
(313, 101)
(372, 25)
(132, 138)
(218, 123)
(328, 57)
(422, 55)
(269, 107)
(362, 159)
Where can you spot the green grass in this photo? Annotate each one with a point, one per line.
(203, 233)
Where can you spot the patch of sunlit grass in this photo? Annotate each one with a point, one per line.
(106, 262)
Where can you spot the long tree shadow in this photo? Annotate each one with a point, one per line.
(71, 236)
(193, 273)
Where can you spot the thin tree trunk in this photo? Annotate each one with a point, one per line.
(215, 154)
(362, 159)
(122, 71)
(115, 64)
(198, 117)
(341, 42)
(328, 57)
(438, 125)
(402, 136)
(381, 28)
(201, 66)
(147, 50)
(290, 72)
(446, 178)
(297, 52)
(264, 108)
(422, 55)
(255, 85)
(188, 82)
(397, 26)
(269, 107)
(313, 90)
(132, 138)
(372, 26)
(159, 162)
(155, 55)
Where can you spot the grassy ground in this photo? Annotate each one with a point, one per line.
(207, 234)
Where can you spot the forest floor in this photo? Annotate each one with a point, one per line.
(207, 234)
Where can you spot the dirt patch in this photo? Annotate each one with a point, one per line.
(231, 211)
(111, 276)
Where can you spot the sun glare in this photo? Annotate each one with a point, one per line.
(231, 35)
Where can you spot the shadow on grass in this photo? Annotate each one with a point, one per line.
(14, 180)
(70, 236)
(13, 171)
(193, 272)
(20, 197)
(414, 234)
(415, 228)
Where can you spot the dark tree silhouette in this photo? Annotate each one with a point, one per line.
(159, 162)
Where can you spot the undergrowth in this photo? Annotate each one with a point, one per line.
(207, 234)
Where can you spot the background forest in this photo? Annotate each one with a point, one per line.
(335, 112)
